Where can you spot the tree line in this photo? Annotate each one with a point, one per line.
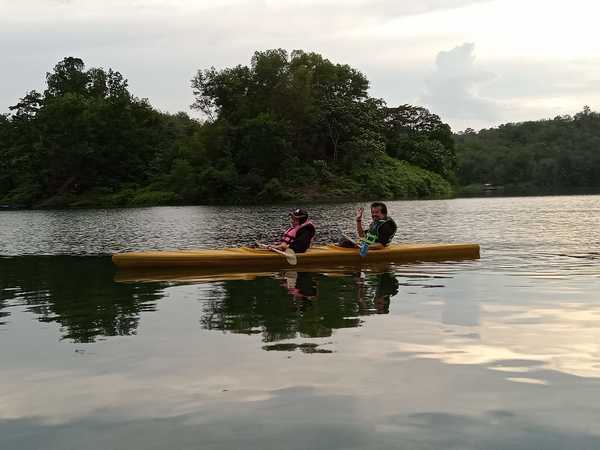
(285, 127)
(557, 155)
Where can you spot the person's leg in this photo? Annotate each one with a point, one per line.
(346, 243)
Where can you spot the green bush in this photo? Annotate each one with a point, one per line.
(151, 198)
(24, 195)
(274, 191)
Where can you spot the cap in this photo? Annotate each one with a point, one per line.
(299, 213)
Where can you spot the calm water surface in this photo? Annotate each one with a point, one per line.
(499, 353)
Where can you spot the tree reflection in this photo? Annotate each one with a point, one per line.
(76, 292)
(80, 295)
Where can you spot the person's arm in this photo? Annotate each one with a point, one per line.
(359, 228)
(282, 246)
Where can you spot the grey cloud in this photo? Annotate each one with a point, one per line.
(542, 78)
(159, 44)
(396, 87)
(452, 88)
(301, 422)
(467, 95)
(159, 50)
(367, 8)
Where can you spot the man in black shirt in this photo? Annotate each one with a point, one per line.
(381, 231)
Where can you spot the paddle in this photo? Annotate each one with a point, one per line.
(349, 239)
(363, 246)
(289, 254)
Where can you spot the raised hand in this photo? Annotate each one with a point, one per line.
(359, 214)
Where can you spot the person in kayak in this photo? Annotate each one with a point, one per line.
(381, 230)
(387, 287)
(300, 285)
(300, 235)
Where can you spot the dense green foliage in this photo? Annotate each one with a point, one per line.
(558, 155)
(287, 127)
(85, 134)
(299, 126)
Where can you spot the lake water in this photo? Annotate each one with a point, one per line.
(497, 353)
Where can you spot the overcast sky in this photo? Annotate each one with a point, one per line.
(476, 63)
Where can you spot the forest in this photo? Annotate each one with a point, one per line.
(561, 155)
(287, 127)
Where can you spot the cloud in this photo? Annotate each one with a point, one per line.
(452, 88)
(358, 9)
(531, 90)
(466, 93)
(160, 44)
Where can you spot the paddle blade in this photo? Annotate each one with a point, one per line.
(290, 257)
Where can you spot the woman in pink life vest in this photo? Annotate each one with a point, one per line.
(300, 235)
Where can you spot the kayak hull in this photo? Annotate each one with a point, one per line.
(319, 255)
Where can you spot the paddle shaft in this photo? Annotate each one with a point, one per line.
(289, 254)
(349, 239)
(271, 248)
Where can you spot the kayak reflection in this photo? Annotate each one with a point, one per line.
(302, 286)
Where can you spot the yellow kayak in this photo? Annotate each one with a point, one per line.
(319, 255)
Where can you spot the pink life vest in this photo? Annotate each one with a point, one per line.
(290, 234)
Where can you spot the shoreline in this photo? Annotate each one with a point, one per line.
(304, 202)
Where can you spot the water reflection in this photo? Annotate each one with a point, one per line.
(436, 355)
(79, 294)
(75, 292)
(298, 304)
(440, 311)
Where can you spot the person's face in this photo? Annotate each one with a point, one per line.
(376, 213)
(295, 220)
